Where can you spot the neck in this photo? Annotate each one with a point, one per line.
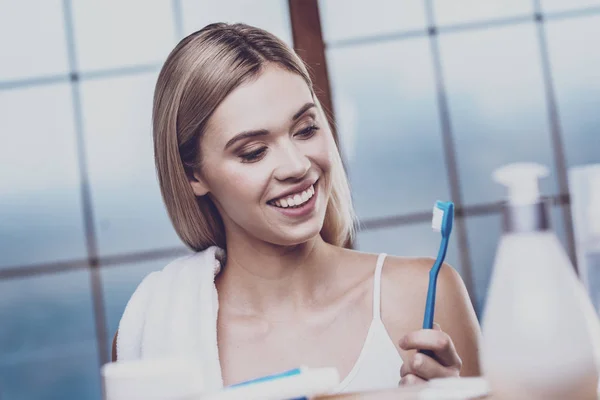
(270, 280)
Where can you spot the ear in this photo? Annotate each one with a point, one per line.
(198, 185)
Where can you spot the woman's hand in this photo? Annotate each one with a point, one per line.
(420, 367)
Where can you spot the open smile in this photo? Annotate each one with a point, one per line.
(297, 204)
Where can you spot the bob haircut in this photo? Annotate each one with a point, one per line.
(197, 76)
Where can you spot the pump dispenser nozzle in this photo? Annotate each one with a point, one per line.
(524, 210)
(521, 179)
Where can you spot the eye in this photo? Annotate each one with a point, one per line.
(254, 155)
(307, 132)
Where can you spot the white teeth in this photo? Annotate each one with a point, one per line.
(296, 199)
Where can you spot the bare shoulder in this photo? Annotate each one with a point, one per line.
(409, 276)
(404, 282)
(404, 287)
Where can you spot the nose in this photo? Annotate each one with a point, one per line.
(293, 163)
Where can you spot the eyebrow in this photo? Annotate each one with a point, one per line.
(264, 132)
(302, 110)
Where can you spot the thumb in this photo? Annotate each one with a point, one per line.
(436, 327)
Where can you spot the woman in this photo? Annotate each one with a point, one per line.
(247, 162)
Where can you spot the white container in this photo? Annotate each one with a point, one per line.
(536, 330)
(154, 379)
(584, 186)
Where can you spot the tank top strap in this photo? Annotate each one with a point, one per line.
(377, 287)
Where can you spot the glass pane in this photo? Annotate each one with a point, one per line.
(128, 209)
(71, 373)
(32, 39)
(414, 240)
(388, 126)
(483, 233)
(558, 225)
(47, 341)
(119, 283)
(575, 65)
(349, 19)
(40, 206)
(115, 34)
(562, 5)
(497, 106)
(270, 15)
(464, 11)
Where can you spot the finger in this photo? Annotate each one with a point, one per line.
(436, 326)
(427, 368)
(410, 380)
(437, 341)
(405, 368)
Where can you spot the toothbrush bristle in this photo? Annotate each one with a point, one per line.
(438, 217)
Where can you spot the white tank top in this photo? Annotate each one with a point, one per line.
(378, 365)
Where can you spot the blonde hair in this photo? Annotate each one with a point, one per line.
(197, 76)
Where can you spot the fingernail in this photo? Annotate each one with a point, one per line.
(418, 361)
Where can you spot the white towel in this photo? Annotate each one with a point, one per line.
(173, 313)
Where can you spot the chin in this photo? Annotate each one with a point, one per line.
(296, 236)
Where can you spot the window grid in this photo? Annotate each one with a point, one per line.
(95, 263)
(449, 151)
(555, 130)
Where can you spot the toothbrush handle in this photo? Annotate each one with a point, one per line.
(433, 274)
(431, 291)
(430, 306)
(430, 303)
(428, 353)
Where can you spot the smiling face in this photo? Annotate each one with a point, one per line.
(266, 158)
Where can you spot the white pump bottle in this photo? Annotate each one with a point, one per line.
(537, 343)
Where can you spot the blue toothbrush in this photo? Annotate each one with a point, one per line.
(443, 216)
